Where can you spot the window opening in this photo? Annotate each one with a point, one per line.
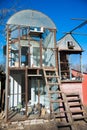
(69, 65)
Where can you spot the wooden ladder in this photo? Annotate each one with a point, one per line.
(58, 102)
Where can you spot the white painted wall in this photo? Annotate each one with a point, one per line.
(15, 92)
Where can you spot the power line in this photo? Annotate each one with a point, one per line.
(79, 26)
(80, 19)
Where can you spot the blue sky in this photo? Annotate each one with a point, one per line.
(60, 11)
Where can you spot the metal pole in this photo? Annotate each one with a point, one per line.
(7, 77)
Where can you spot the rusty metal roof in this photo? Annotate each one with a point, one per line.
(31, 18)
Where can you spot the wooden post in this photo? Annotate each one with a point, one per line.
(26, 90)
(40, 52)
(19, 55)
(38, 83)
(29, 60)
(59, 64)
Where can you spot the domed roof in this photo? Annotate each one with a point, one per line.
(31, 18)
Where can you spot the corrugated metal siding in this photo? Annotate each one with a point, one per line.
(31, 18)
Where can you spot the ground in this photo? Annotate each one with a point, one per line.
(39, 124)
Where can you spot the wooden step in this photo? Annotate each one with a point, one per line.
(72, 95)
(76, 118)
(59, 116)
(49, 87)
(34, 75)
(51, 76)
(57, 101)
(60, 112)
(61, 125)
(77, 112)
(53, 83)
(75, 105)
(73, 100)
(54, 92)
(50, 69)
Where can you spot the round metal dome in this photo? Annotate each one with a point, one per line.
(31, 18)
